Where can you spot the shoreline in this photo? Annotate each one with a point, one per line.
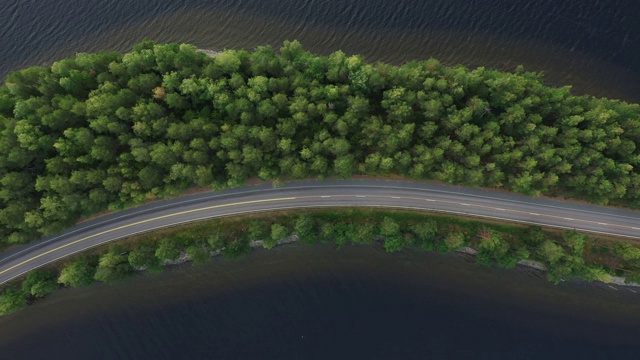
(256, 244)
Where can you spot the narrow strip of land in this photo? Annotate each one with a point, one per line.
(309, 194)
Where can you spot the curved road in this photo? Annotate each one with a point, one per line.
(330, 193)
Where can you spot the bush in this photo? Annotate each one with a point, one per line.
(236, 248)
(77, 273)
(278, 232)
(143, 256)
(168, 249)
(113, 266)
(454, 241)
(40, 283)
(305, 229)
(199, 254)
(11, 300)
(365, 234)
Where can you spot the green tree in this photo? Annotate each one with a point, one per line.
(454, 240)
(143, 257)
(200, 254)
(344, 232)
(390, 231)
(494, 249)
(236, 248)
(627, 251)
(40, 283)
(77, 273)
(389, 227)
(278, 232)
(534, 236)
(550, 252)
(257, 231)
(575, 241)
(305, 229)
(113, 266)
(426, 234)
(11, 300)
(327, 231)
(364, 234)
(168, 249)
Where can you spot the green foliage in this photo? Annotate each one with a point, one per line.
(11, 300)
(40, 283)
(534, 236)
(305, 229)
(493, 249)
(364, 234)
(389, 227)
(550, 252)
(390, 231)
(574, 241)
(327, 231)
(627, 251)
(426, 233)
(143, 256)
(236, 248)
(454, 240)
(278, 232)
(393, 243)
(344, 232)
(258, 231)
(169, 249)
(113, 266)
(199, 254)
(77, 273)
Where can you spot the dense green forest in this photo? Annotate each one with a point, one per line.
(107, 131)
(567, 255)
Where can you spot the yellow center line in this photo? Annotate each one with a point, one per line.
(138, 223)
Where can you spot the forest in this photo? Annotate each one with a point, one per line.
(107, 131)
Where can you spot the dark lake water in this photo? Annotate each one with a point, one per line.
(591, 44)
(298, 302)
(301, 302)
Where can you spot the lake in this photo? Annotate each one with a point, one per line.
(319, 302)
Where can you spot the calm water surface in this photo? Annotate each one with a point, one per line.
(298, 302)
(316, 302)
(591, 44)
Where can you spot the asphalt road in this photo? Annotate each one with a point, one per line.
(331, 193)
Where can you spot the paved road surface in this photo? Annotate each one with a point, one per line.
(300, 194)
